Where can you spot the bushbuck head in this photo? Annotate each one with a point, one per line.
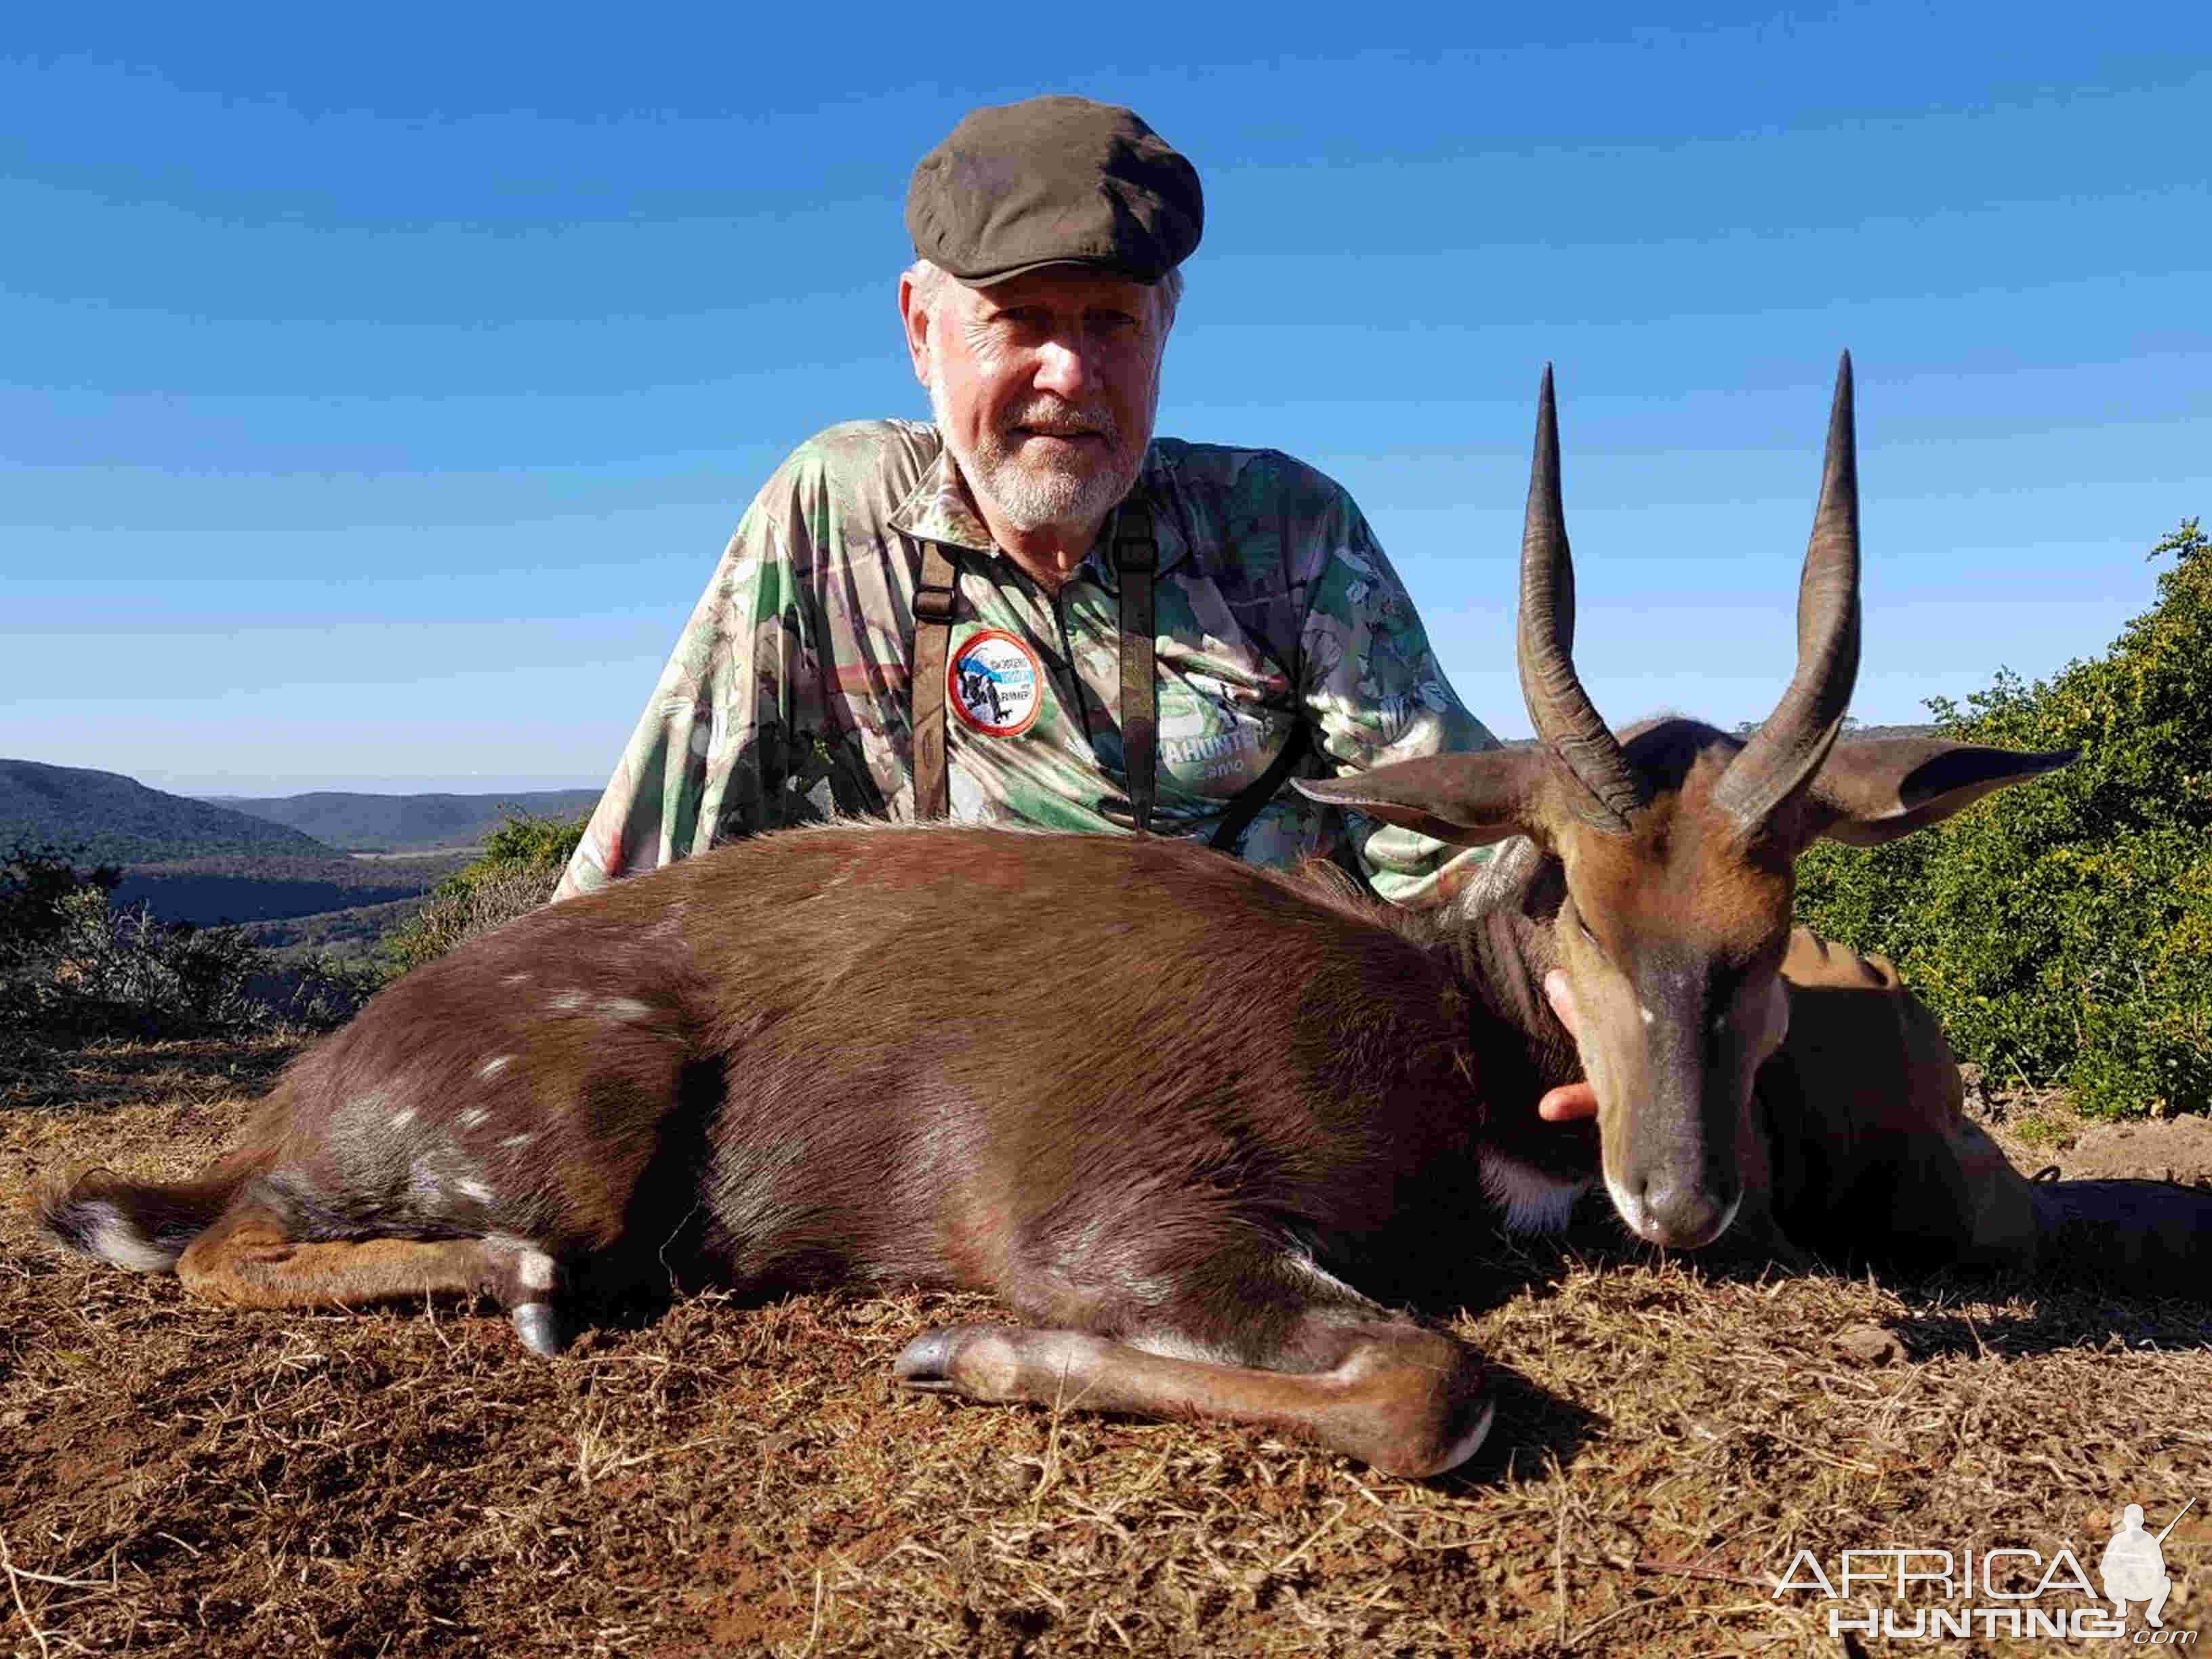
(1676, 844)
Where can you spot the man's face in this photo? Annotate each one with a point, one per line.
(1045, 387)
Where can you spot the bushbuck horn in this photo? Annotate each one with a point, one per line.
(1563, 715)
(1783, 756)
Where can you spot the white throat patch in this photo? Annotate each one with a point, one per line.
(1533, 1202)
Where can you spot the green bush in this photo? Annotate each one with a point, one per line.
(39, 883)
(2062, 930)
(71, 960)
(521, 864)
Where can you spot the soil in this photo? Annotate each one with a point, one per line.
(177, 1478)
(2039, 1130)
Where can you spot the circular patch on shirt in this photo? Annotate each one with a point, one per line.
(995, 684)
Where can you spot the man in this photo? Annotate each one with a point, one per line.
(1031, 610)
(1049, 235)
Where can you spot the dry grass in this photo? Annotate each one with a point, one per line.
(184, 1481)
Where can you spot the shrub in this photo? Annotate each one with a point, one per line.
(521, 864)
(38, 884)
(2062, 931)
(70, 959)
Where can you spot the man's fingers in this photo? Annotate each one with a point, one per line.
(1567, 1102)
(1573, 1100)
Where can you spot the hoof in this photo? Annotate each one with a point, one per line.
(925, 1362)
(1469, 1443)
(541, 1330)
(977, 1362)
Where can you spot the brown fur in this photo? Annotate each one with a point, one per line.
(1133, 1086)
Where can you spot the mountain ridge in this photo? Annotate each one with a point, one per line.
(360, 822)
(106, 818)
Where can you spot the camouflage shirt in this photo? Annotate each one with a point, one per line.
(786, 698)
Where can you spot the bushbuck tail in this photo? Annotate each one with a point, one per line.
(1186, 1117)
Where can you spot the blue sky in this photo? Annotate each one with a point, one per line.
(379, 387)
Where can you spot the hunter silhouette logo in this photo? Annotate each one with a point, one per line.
(2002, 1591)
(2134, 1567)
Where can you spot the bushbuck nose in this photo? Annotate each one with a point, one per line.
(1680, 1209)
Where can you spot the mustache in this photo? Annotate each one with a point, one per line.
(1063, 419)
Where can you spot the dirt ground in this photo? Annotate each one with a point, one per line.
(176, 1479)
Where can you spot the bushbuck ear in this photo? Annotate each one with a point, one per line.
(1468, 800)
(1885, 787)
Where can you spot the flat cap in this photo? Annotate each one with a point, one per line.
(1050, 181)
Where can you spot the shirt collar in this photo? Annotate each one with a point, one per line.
(938, 509)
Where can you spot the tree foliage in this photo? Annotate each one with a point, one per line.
(2062, 930)
(71, 959)
(521, 863)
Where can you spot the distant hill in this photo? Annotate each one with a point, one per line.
(112, 819)
(395, 823)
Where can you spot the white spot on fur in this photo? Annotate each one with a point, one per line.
(1533, 1202)
(566, 1002)
(515, 979)
(492, 1068)
(628, 1010)
(1646, 1012)
(403, 1117)
(473, 1117)
(514, 1142)
(439, 1174)
(115, 1240)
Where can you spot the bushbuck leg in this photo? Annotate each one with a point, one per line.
(247, 1260)
(1309, 1357)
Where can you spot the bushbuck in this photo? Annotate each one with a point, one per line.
(1174, 1109)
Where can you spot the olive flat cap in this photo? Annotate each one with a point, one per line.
(1052, 181)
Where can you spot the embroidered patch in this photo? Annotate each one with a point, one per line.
(995, 684)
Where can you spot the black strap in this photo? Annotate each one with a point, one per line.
(936, 594)
(1136, 559)
(1261, 790)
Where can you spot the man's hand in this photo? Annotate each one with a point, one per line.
(1570, 1100)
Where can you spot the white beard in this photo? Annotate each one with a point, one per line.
(1027, 490)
